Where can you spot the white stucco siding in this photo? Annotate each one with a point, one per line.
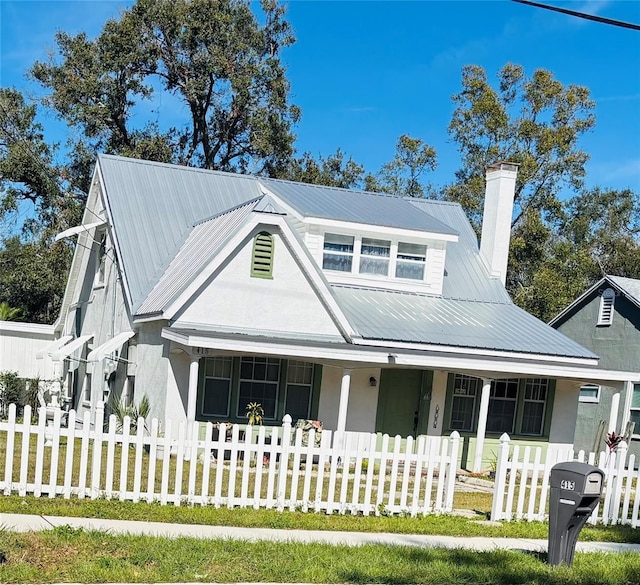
(19, 344)
(437, 402)
(177, 388)
(565, 406)
(284, 303)
(152, 371)
(363, 399)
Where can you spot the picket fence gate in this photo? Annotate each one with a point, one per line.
(344, 472)
(522, 483)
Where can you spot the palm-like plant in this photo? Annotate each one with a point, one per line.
(9, 313)
(133, 411)
(255, 413)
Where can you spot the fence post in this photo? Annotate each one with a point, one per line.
(8, 462)
(97, 450)
(284, 462)
(618, 481)
(502, 465)
(452, 471)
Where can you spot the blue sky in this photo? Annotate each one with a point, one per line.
(366, 72)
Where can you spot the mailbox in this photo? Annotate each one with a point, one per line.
(575, 492)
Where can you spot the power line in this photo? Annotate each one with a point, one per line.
(581, 15)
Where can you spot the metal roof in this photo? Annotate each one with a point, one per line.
(355, 206)
(155, 205)
(422, 319)
(203, 243)
(630, 287)
(466, 275)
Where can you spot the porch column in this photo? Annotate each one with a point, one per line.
(482, 424)
(626, 412)
(344, 401)
(193, 388)
(613, 413)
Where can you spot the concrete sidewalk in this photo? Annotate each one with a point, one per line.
(28, 523)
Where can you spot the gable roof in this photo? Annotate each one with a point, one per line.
(629, 287)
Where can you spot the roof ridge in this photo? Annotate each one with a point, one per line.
(230, 210)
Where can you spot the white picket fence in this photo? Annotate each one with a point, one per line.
(522, 483)
(347, 473)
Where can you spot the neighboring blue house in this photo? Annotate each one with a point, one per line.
(606, 319)
(207, 290)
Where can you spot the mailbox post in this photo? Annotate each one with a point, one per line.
(575, 492)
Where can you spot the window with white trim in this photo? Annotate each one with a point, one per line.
(605, 313)
(372, 256)
(86, 389)
(338, 252)
(101, 261)
(217, 386)
(589, 393)
(634, 412)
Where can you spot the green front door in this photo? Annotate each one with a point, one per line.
(403, 405)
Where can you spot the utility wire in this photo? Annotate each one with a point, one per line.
(581, 15)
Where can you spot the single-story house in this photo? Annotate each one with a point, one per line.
(207, 291)
(606, 319)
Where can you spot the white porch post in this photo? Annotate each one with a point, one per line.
(193, 389)
(482, 424)
(613, 413)
(344, 401)
(626, 412)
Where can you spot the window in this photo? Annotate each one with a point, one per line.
(605, 314)
(129, 393)
(299, 387)
(217, 386)
(86, 388)
(502, 406)
(259, 377)
(634, 414)
(466, 390)
(589, 393)
(262, 256)
(374, 256)
(338, 252)
(535, 399)
(101, 261)
(411, 261)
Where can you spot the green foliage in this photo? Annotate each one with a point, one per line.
(11, 388)
(9, 313)
(533, 121)
(133, 411)
(255, 413)
(332, 171)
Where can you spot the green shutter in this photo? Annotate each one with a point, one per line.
(262, 257)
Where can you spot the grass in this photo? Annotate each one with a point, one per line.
(70, 555)
(445, 525)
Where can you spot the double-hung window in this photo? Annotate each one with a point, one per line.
(374, 256)
(259, 378)
(411, 261)
(217, 386)
(503, 401)
(299, 385)
(634, 414)
(466, 391)
(338, 252)
(535, 399)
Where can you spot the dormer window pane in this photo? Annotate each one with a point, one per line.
(338, 252)
(411, 261)
(374, 256)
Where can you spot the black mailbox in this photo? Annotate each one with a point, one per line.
(575, 492)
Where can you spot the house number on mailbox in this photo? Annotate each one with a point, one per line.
(565, 484)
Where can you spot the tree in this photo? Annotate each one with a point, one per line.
(214, 57)
(402, 175)
(332, 171)
(535, 122)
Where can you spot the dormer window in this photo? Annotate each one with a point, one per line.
(338, 252)
(605, 314)
(411, 261)
(374, 256)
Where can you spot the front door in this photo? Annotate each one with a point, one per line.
(402, 402)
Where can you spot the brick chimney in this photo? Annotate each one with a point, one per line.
(496, 218)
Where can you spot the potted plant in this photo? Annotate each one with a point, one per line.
(255, 413)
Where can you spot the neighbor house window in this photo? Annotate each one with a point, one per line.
(503, 399)
(410, 261)
(217, 386)
(299, 386)
(262, 256)
(589, 393)
(374, 256)
(101, 261)
(338, 252)
(634, 414)
(535, 400)
(466, 391)
(259, 378)
(605, 314)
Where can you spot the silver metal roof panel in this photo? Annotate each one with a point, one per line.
(204, 241)
(422, 319)
(355, 206)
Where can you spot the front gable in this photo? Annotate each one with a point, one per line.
(284, 301)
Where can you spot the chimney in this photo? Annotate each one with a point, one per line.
(496, 218)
